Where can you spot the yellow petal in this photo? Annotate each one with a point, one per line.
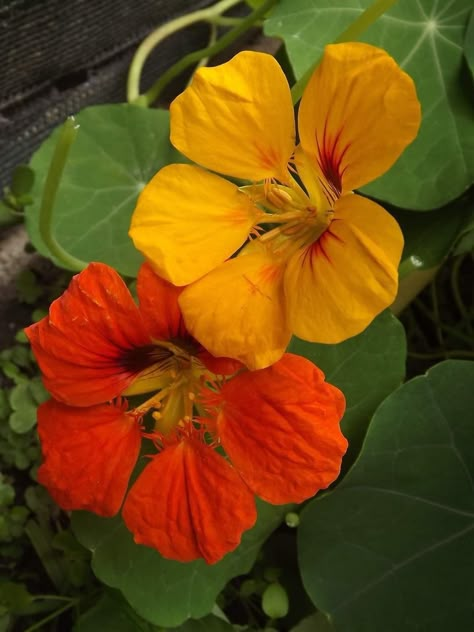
(188, 221)
(358, 113)
(237, 310)
(337, 286)
(237, 118)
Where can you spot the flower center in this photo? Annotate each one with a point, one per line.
(157, 365)
(301, 223)
(177, 380)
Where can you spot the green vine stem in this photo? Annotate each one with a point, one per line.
(153, 93)
(212, 41)
(352, 33)
(66, 138)
(164, 31)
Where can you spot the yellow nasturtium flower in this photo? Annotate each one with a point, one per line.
(327, 263)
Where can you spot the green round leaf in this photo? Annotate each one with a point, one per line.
(366, 368)
(391, 548)
(14, 597)
(24, 405)
(426, 38)
(117, 150)
(429, 238)
(469, 43)
(207, 624)
(160, 590)
(113, 613)
(317, 622)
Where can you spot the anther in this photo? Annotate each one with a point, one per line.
(279, 197)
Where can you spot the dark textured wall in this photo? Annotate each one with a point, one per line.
(59, 56)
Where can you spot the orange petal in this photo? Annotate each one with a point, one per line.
(189, 503)
(358, 113)
(227, 120)
(188, 221)
(337, 286)
(237, 310)
(280, 428)
(88, 455)
(219, 366)
(159, 306)
(81, 346)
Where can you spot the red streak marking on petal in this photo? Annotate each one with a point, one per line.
(140, 358)
(329, 161)
(329, 233)
(318, 248)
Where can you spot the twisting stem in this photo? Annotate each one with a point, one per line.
(66, 138)
(162, 32)
(353, 32)
(212, 41)
(153, 93)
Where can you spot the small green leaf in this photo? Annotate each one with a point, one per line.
(7, 215)
(275, 601)
(21, 337)
(391, 548)
(22, 180)
(14, 597)
(24, 405)
(28, 288)
(426, 39)
(5, 408)
(117, 151)
(366, 368)
(163, 591)
(38, 391)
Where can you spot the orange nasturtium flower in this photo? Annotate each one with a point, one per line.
(277, 429)
(328, 263)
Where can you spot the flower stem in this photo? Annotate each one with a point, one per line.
(162, 32)
(153, 93)
(67, 136)
(353, 32)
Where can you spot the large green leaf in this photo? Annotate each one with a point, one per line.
(392, 547)
(117, 150)
(366, 368)
(426, 38)
(469, 43)
(163, 591)
(113, 613)
(314, 623)
(429, 238)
